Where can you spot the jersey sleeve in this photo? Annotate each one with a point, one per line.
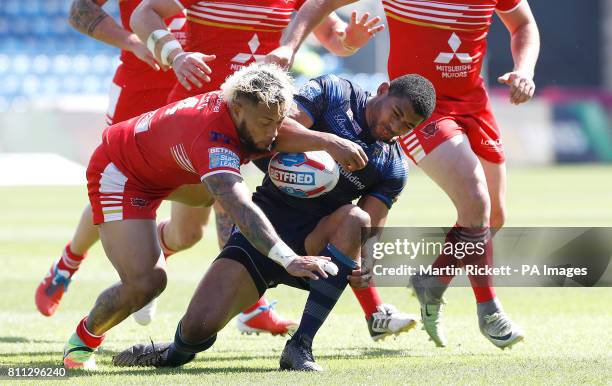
(212, 157)
(505, 6)
(394, 181)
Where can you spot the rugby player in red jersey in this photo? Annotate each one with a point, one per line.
(189, 151)
(238, 33)
(459, 147)
(138, 86)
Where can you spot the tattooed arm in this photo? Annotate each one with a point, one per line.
(88, 17)
(230, 191)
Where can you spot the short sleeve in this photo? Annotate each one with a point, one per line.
(394, 181)
(311, 98)
(505, 6)
(214, 157)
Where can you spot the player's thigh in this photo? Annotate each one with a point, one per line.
(132, 247)
(327, 227)
(194, 195)
(226, 289)
(454, 167)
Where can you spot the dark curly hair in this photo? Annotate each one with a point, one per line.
(418, 90)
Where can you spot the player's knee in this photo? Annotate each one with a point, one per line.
(356, 218)
(475, 207)
(189, 236)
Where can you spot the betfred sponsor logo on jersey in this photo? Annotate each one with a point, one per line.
(444, 59)
(220, 157)
(286, 176)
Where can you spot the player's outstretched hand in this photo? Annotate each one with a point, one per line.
(311, 267)
(347, 153)
(282, 56)
(360, 278)
(521, 85)
(142, 52)
(191, 68)
(359, 32)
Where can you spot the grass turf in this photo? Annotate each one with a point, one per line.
(568, 334)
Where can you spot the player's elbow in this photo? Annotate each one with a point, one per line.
(73, 16)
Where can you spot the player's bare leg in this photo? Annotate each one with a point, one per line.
(191, 203)
(458, 171)
(186, 227)
(50, 291)
(495, 175)
(132, 248)
(205, 316)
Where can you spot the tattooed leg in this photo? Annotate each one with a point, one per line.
(141, 269)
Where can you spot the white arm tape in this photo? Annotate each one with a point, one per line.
(154, 37)
(282, 254)
(167, 49)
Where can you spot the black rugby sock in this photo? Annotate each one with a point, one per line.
(324, 293)
(182, 352)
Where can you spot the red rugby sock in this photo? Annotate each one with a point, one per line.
(368, 299)
(90, 340)
(167, 251)
(482, 285)
(70, 261)
(447, 260)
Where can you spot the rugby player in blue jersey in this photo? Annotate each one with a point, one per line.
(328, 225)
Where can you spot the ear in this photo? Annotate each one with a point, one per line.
(236, 107)
(383, 88)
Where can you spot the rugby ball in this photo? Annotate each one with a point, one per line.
(304, 175)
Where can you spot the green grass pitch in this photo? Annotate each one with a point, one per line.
(568, 340)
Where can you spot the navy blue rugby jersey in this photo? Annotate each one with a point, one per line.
(337, 106)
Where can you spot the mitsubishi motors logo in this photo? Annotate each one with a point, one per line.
(242, 58)
(445, 57)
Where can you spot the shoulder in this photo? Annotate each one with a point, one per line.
(397, 165)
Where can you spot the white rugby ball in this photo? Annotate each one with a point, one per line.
(304, 175)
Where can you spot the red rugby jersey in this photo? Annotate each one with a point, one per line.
(444, 41)
(237, 32)
(135, 74)
(177, 144)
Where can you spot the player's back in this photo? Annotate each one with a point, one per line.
(170, 146)
(237, 32)
(444, 42)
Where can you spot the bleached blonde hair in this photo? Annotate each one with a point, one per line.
(260, 83)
